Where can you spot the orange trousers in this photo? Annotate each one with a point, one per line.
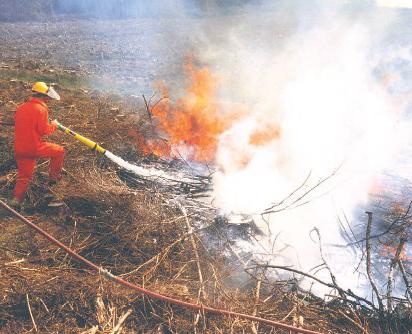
(27, 162)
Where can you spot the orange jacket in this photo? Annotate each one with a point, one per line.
(31, 124)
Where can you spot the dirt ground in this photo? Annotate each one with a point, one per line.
(127, 56)
(136, 233)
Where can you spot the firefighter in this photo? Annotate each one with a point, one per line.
(31, 125)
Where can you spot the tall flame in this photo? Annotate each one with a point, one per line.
(191, 125)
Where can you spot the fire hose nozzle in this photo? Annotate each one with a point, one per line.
(89, 143)
(59, 125)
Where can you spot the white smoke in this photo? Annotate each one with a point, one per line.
(318, 86)
(320, 91)
(316, 71)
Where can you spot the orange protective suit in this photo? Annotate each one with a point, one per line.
(31, 124)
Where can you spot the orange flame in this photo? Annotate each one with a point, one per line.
(265, 135)
(195, 121)
(390, 251)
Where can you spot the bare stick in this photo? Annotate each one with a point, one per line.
(405, 279)
(192, 239)
(394, 262)
(364, 331)
(31, 314)
(202, 292)
(122, 319)
(15, 262)
(101, 309)
(45, 306)
(281, 206)
(291, 194)
(147, 108)
(158, 101)
(348, 293)
(332, 276)
(389, 229)
(92, 330)
(255, 308)
(368, 261)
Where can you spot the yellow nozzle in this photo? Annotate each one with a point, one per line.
(89, 143)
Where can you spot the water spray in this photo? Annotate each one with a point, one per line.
(151, 173)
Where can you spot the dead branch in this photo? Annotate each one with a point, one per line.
(192, 240)
(158, 101)
(117, 328)
(364, 331)
(92, 330)
(101, 310)
(147, 108)
(255, 308)
(296, 202)
(403, 239)
(157, 258)
(348, 293)
(291, 194)
(30, 312)
(390, 228)
(150, 107)
(332, 276)
(368, 262)
(406, 281)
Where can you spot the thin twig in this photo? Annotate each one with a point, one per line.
(353, 322)
(158, 101)
(255, 308)
(192, 240)
(348, 293)
(92, 330)
(389, 229)
(332, 276)
(201, 293)
(406, 281)
(368, 261)
(147, 108)
(394, 262)
(122, 319)
(31, 314)
(297, 202)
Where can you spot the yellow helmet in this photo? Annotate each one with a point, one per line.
(42, 88)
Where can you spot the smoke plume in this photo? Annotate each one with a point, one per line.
(313, 79)
(319, 90)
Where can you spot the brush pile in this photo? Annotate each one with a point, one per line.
(151, 236)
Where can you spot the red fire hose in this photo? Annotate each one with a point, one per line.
(152, 294)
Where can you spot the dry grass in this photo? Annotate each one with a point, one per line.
(139, 234)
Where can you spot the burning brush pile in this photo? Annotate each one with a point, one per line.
(151, 219)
